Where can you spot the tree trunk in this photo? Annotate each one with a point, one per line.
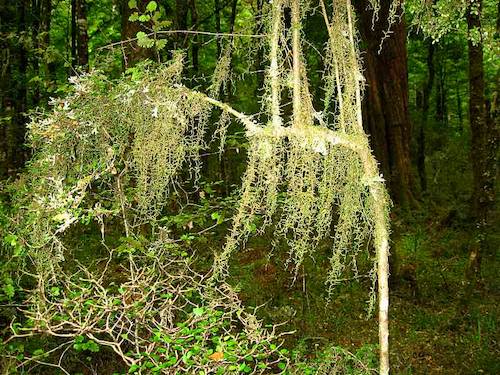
(5, 12)
(484, 142)
(46, 18)
(181, 11)
(425, 114)
(385, 108)
(441, 94)
(132, 52)
(259, 59)
(459, 106)
(14, 91)
(35, 17)
(194, 42)
(82, 34)
(18, 132)
(217, 27)
(74, 57)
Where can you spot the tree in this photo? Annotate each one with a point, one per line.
(426, 94)
(83, 38)
(385, 109)
(306, 173)
(484, 134)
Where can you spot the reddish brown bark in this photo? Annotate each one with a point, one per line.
(385, 106)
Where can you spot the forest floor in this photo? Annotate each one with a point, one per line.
(438, 325)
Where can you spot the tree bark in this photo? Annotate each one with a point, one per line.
(259, 59)
(14, 93)
(17, 148)
(46, 18)
(217, 26)
(82, 34)
(181, 12)
(74, 57)
(484, 142)
(385, 107)
(194, 42)
(132, 52)
(459, 106)
(425, 114)
(441, 94)
(35, 12)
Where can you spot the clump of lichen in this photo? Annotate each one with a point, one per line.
(110, 149)
(311, 175)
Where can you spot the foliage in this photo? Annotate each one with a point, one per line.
(153, 14)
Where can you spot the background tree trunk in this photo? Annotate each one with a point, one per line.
(46, 18)
(484, 142)
(17, 131)
(132, 52)
(74, 56)
(385, 107)
(35, 18)
(425, 115)
(194, 42)
(181, 12)
(217, 10)
(82, 34)
(441, 92)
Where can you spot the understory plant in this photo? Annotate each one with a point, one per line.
(155, 313)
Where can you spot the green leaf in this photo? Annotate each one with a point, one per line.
(133, 17)
(132, 4)
(143, 40)
(10, 239)
(198, 311)
(133, 369)
(38, 352)
(160, 44)
(8, 288)
(151, 7)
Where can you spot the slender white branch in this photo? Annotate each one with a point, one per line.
(297, 90)
(336, 66)
(274, 72)
(187, 32)
(354, 57)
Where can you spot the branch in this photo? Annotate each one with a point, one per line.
(192, 32)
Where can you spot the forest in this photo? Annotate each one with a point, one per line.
(289, 187)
